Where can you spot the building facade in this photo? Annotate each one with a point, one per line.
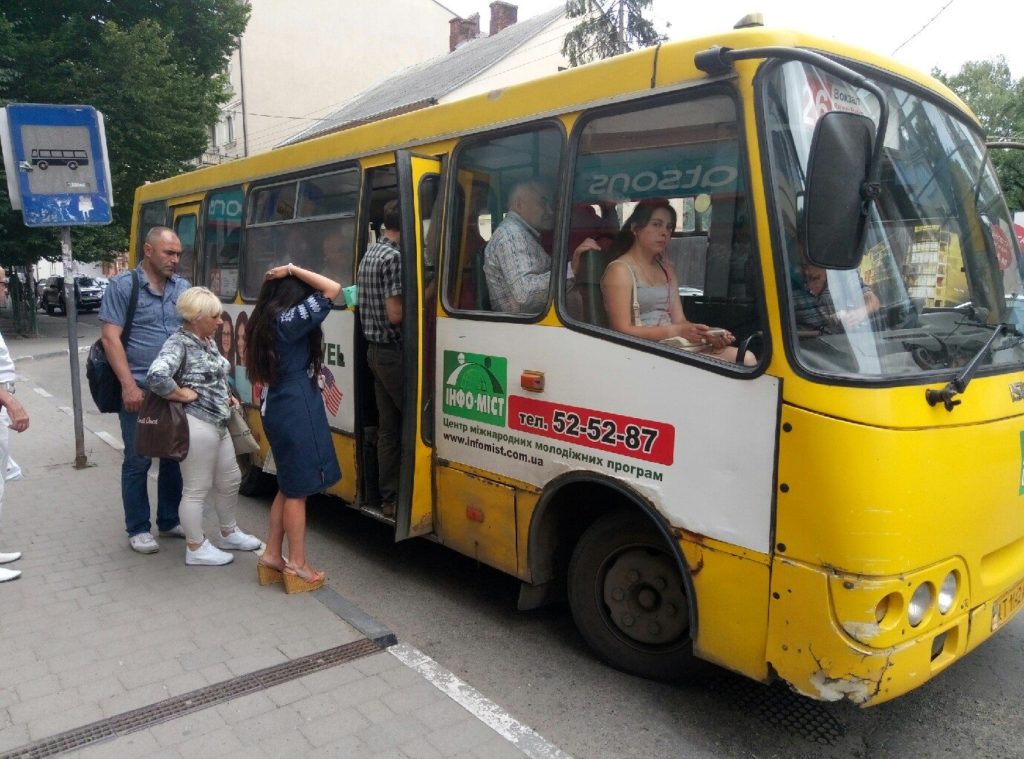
(297, 62)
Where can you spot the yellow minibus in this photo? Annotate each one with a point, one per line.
(836, 502)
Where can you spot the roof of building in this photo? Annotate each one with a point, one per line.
(426, 83)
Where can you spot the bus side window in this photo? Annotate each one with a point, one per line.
(222, 230)
(185, 228)
(488, 171)
(685, 157)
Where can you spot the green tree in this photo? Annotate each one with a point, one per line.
(609, 27)
(155, 68)
(997, 100)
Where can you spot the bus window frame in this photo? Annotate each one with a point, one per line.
(633, 105)
(297, 177)
(447, 268)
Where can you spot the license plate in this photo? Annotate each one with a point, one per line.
(1008, 605)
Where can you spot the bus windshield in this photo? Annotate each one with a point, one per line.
(940, 267)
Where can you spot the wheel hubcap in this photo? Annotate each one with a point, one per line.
(644, 597)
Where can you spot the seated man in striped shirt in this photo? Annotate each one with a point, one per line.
(516, 266)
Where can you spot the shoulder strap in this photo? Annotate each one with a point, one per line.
(133, 301)
(636, 301)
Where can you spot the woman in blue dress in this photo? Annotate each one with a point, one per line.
(285, 354)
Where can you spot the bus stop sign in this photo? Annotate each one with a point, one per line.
(56, 162)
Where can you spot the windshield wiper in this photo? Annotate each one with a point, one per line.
(958, 384)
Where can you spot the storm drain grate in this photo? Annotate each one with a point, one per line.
(780, 707)
(187, 703)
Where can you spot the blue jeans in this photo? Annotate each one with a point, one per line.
(134, 488)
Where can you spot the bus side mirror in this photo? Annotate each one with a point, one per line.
(835, 201)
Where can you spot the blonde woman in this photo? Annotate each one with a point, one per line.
(202, 386)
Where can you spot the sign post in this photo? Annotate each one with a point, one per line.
(58, 175)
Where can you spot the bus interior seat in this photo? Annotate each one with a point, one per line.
(481, 297)
(588, 283)
(727, 300)
(602, 228)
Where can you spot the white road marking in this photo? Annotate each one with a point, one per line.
(469, 698)
(110, 440)
(42, 392)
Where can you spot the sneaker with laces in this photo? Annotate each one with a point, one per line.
(175, 532)
(143, 543)
(239, 541)
(207, 555)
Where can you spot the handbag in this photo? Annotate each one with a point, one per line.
(241, 435)
(104, 386)
(161, 431)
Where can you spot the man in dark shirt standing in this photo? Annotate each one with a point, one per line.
(379, 283)
(156, 317)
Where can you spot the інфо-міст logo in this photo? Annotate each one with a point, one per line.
(474, 386)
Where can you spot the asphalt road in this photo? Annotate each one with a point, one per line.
(535, 665)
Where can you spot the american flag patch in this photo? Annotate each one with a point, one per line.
(329, 391)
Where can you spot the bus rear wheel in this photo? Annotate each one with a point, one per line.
(629, 601)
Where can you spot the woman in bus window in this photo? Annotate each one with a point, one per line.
(640, 290)
(285, 353)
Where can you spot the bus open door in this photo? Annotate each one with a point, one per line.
(419, 182)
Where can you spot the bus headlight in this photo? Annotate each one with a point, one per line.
(919, 604)
(947, 593)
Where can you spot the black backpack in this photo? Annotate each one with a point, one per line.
(104, 386)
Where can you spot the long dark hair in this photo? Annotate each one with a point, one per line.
(640, 217)
(276, 295)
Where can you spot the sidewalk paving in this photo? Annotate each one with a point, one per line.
(106, 652)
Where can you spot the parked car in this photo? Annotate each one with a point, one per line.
(87, 294)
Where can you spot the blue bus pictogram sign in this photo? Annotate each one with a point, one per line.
(56, 161)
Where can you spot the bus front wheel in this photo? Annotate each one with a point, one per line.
(629, 601)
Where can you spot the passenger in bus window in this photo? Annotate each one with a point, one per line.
(815, 309)
(516, 266)
(332, 250)
(641, 292)
(380, 310)
(296, 247)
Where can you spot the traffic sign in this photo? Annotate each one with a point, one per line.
(55, 156)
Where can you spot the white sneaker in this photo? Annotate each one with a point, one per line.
(175, 532)
(207, 555)
(239, 541)
(9, 574)
(143, 543)
(7, 558)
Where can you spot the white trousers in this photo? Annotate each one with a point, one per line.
(5, 451)
(209, 467)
